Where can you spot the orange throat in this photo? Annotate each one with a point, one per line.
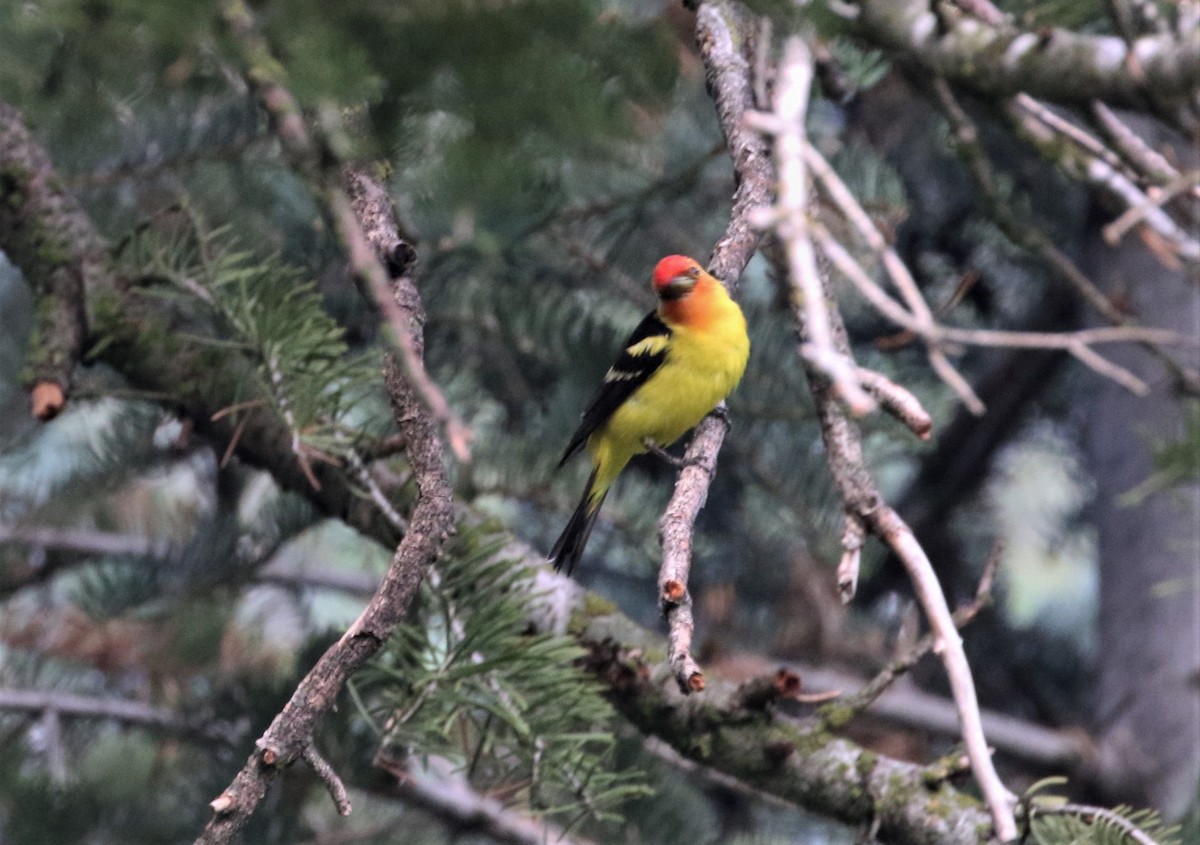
(696, 310)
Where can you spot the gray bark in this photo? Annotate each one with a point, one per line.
(1148, 699)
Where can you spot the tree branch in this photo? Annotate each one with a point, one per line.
(792, 211)
(53, 262)
(798, 763)
(317, 161)
(121, 710)
(865, 504)
(290, 735)
(1053, 64)
(448, 796)
(847, 708)
(1033, 239)
(725, 34)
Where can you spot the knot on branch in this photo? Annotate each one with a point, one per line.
(401, 260)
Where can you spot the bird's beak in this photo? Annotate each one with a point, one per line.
(677, 288)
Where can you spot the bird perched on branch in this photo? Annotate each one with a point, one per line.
(679, 363)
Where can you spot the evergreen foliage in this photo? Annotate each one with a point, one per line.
(465, 679)
(267, 311)
(1053, 820)
(544, 153)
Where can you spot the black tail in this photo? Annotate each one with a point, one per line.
(568, 549)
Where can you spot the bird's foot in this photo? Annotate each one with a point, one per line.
(721, 412)
(654, 449)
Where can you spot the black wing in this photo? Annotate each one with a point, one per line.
(643, 353)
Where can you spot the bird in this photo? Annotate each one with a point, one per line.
(680, 362)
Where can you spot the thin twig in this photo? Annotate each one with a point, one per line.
(851, 706)
(315, 158)
(1135, 214)
(430, 523)
(337, 789)
(792, 212)
(897, 401)
(137, 713)
(724, 34)
(1147, 160)
(1033, 239)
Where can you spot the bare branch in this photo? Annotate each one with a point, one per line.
(724, 33)
(290, 735)
(675, 530)
(317, 161)
(897, 271)
(897, 401)
(1155, 198)
(1097, 165)
(849, 707)
(792, 211)
(966, 137)
(1147, 160)
(84, 540)
(863, 499)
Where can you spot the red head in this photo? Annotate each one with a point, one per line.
(675, 276)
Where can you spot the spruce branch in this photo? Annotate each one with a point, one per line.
(462, 676)
(53, 262)
(1052, 818)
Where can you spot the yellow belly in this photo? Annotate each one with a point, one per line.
(701, 369)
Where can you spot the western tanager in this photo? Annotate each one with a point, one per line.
(681, 360)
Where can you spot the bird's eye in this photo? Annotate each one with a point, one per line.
(694, 272)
